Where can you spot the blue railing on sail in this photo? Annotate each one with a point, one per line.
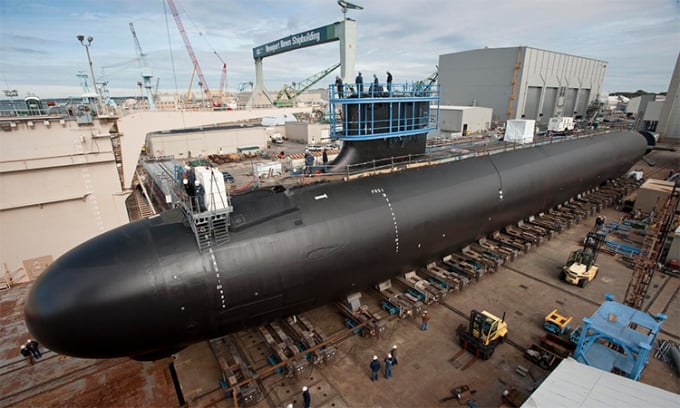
(379, 112)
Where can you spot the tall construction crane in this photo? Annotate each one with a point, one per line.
(203, 83)
(146, 70)
(223, 78)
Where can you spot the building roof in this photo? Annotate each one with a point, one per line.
(461, 107)
(658, 185)
(493, 49)
(573, 384)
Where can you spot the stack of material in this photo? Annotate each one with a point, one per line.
(650, 191)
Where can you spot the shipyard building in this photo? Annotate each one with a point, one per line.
(669, 117)
(521, 82)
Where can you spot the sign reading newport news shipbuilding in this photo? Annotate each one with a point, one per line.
(305, 39)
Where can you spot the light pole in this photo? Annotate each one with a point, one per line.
(81, 38)
(11, 93)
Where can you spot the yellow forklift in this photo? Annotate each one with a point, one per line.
(581, 267)
(485, 332)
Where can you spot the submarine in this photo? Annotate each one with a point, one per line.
(146, 290)
(152, 287)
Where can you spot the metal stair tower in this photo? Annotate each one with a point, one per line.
(655, 233)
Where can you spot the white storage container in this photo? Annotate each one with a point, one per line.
(519, 131)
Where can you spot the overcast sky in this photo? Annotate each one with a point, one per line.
(39, 53)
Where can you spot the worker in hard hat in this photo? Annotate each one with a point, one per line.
(425, 319)
(306, 398)
(189, 188)
(394, 355)
(375, 368)
(27, 354)
(388, 366)
(200, 195)
(309, 163)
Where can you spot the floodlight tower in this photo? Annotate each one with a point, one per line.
(348, 41)
(11, 93)
(346, 5)
(81, 38)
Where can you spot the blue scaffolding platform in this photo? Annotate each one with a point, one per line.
(618, 339)
(382, 111)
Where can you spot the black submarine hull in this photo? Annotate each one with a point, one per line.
(144, 290)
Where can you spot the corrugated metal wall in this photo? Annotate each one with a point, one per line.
(542, 85)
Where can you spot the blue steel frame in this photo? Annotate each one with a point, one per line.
(618, 338)
(402, 100)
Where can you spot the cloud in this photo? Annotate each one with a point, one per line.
(638, 39)
(22, 50)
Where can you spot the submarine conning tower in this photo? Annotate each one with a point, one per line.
(381, 122)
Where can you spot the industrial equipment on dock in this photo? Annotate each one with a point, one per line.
(485, 332)
(556, 323)
(581, 267)
(618, 338)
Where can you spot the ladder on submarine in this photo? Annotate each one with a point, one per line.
(211, 227)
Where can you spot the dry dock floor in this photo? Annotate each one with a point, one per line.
(431, 363)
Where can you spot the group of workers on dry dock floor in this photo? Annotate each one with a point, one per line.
(31, 351)
(390, 360)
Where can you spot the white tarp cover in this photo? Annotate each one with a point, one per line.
(212, 180)
(519, 131)
(573, 384)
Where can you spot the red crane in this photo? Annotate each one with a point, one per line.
(203, 84)
(223, 78)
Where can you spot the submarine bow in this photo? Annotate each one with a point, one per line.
(145, 290)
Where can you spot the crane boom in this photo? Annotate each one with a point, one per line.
(224, 76)
(138, 46)
(180, 27)
(188, 97)
(291, 92)
(146, 70)
(223, 79)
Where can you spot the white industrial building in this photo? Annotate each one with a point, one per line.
(521, 82)
(308, 133)
(206, 140)
(464, 119)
